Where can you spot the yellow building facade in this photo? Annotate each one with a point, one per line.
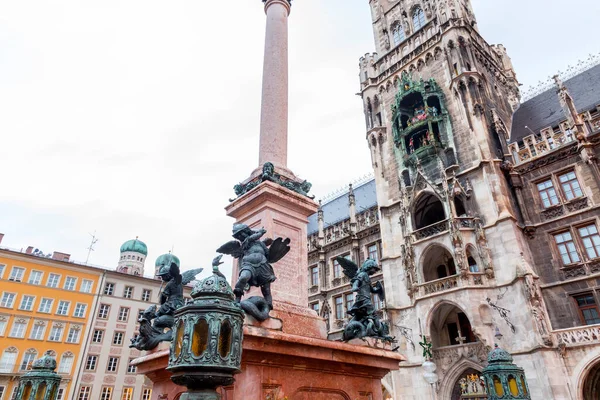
(45, 304)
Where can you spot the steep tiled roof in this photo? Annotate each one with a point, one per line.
(544, 110)
(337, 209)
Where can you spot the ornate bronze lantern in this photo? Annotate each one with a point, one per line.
(41, 383)
(503, 379)
(206, 350)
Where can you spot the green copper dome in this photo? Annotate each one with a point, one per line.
(135, 245)
(166, 259)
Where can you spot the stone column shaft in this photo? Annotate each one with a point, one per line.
(274, 110)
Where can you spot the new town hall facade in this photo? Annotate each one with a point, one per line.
(483, 210)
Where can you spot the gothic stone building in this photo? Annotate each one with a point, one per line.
(345, 226)
(473, 241)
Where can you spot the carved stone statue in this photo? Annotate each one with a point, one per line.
(269, 174)
(256, 258)
(156, 324)
(364, 321)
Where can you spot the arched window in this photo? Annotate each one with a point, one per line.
(28, 358)
(8, 360)
(399, 34)
(418, 19)
(66, 363)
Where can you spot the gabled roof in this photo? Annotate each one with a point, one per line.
(337, 209)
(544, 110)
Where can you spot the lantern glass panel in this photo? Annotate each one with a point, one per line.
(53, 392)
(200, 337)
(41, 392)
(523, 385)
(26, 391)
(498, 386)
(225, 338)
(179, 338)
(512, 385)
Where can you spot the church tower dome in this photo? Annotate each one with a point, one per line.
(165, 260)
(133, 256)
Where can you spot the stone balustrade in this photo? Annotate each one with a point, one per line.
(452, 282)
(431, 230)
(579, 335)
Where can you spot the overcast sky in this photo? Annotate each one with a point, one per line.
(136, 118)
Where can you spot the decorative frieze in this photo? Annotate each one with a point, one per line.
(446, 357)
(578, 336)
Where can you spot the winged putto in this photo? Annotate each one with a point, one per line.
(364, 321)
(156, 323)
(255, 266)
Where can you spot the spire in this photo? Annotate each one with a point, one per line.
(320, 219)
(568, 105)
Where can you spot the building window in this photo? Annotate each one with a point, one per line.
(28, 358)
(84, 393)
(7, 300)
(570, 185)
(2, 327)
(418, 19)
(35, 278)
(66, 363)
(55, 334)
(18, 330)
(8, 360)
(398, 34)
(118, 338)
(147, 394)
(128, 292)
(106, 393)
(2, 388)
(63, 307)
(70, 283)
(127, 393)
(90, 363)
(46, 306)
(97, 336)
(2, 266)
(373, 251)
(314, 276)
(123, 314)
(53, 280)
(339, 307)
(113, 364)
(139, 316)
(591, 240)
(588, 310)
(80, 310)
(73, 335)
(16, 274)
(146, 294)
(377, 302)
(59, 396)
(131, 369)
(27, 303)
(547, 193)
(337, 269)
(349, 300)
(37, 332)
(109, 288)
(566, 248)
(315, 306)
(103, 311)
(86, 286)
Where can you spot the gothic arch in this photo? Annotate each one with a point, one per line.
(435, 255)
(585, 373)
(427, 209)
(473, 258)
(437, 318)
(455, 373)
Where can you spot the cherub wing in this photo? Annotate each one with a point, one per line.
(278, 249)
(174, 272)
(233, 248)
(190, 275)
(350, 269)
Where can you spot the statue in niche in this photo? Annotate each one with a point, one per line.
(153, 321)
(364, 322)
(256, 258)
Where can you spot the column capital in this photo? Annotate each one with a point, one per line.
(286, 3)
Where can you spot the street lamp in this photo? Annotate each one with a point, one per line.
(41, 383)
(430, 376)
(207, 347)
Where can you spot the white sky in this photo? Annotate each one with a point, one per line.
(137, 117)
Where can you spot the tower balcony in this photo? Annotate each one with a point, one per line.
(577, 336)
(434, 287)
(442, 227)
